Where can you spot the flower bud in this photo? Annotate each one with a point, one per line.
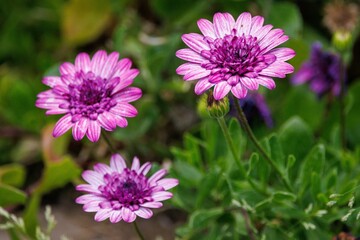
(342, 40)
(217, 108)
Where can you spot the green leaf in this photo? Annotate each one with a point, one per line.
(296, 137)
(202, 218)
(12, 174)
(11, 195)
(286, 15)
(84, 20)
(352, 120)
(58, 174)
(276, 151)
(314, 163)
(208, 184)
(300, 101)
(187, 174)
(315, 185)
(282, 196)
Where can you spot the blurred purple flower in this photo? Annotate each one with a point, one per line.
(120, 193)
(92, 94)
(254, 106)
(234, 56)
(321, 71)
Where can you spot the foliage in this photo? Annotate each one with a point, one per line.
(218, 201)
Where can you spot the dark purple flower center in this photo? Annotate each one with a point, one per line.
(235, 56)
(127, 189)
(89, 96)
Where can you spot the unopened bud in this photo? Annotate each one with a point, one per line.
(342, 40)
(217, 108)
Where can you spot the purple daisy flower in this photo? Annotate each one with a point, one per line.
(234, 56)
(321, 71)
(119, 193)
(92, 93)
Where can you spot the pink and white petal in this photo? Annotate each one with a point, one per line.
(89, 198)
(152, 205)
(276, 43)
(271, 37)
(249, 83)
(63, 125)
(277, 69)
(122, 66)
(187, 67)
(283, 54)
(102, 168)
(68, 79)
(135, 164)
(144, 213)
(82, 62)
(98, 61)
(110, 65)
(144, 169)
(93, 178)
(206, 28)
(57, 111)
(221, 90)
(243, 24)
(115, 216)
(202, 86)
(128, 215)
(126, 79)
(52, 81)
(67, 69)
(198, 74)
(79, 129)
(94, 130)
(256, 23)
(102, 214)
(239, 91)
(266, 82)
(261, 33)
(195, 41)
(107, 121)
(190, 55)
(168, 183)
(50, 103)
(161, 196)
(92, 206)
(124, 109)
(159, 174)
(88, 188)
(117, 163)
(223, 24)
(128, 94)
(121, 121)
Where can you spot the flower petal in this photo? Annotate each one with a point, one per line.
(144, 213)
(221, 90)
(63, 125)
(115, 216)
(98, 61)
(82, 63)
(79, 129)
(206, 28)
(195, 41)
(128, 94)
(93, 131)
(128, 215)
(223, 24)
(124, 109)
(243, 24)
(239, 91)
(161, 196)
(102, 214)
(135, 164)
(189, 55)
(168, 183)
(117, 163)
(202, 86)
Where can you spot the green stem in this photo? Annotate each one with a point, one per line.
(246, 127)
(141, 237)
(231, 145)
(342, 104)
(107, 140)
